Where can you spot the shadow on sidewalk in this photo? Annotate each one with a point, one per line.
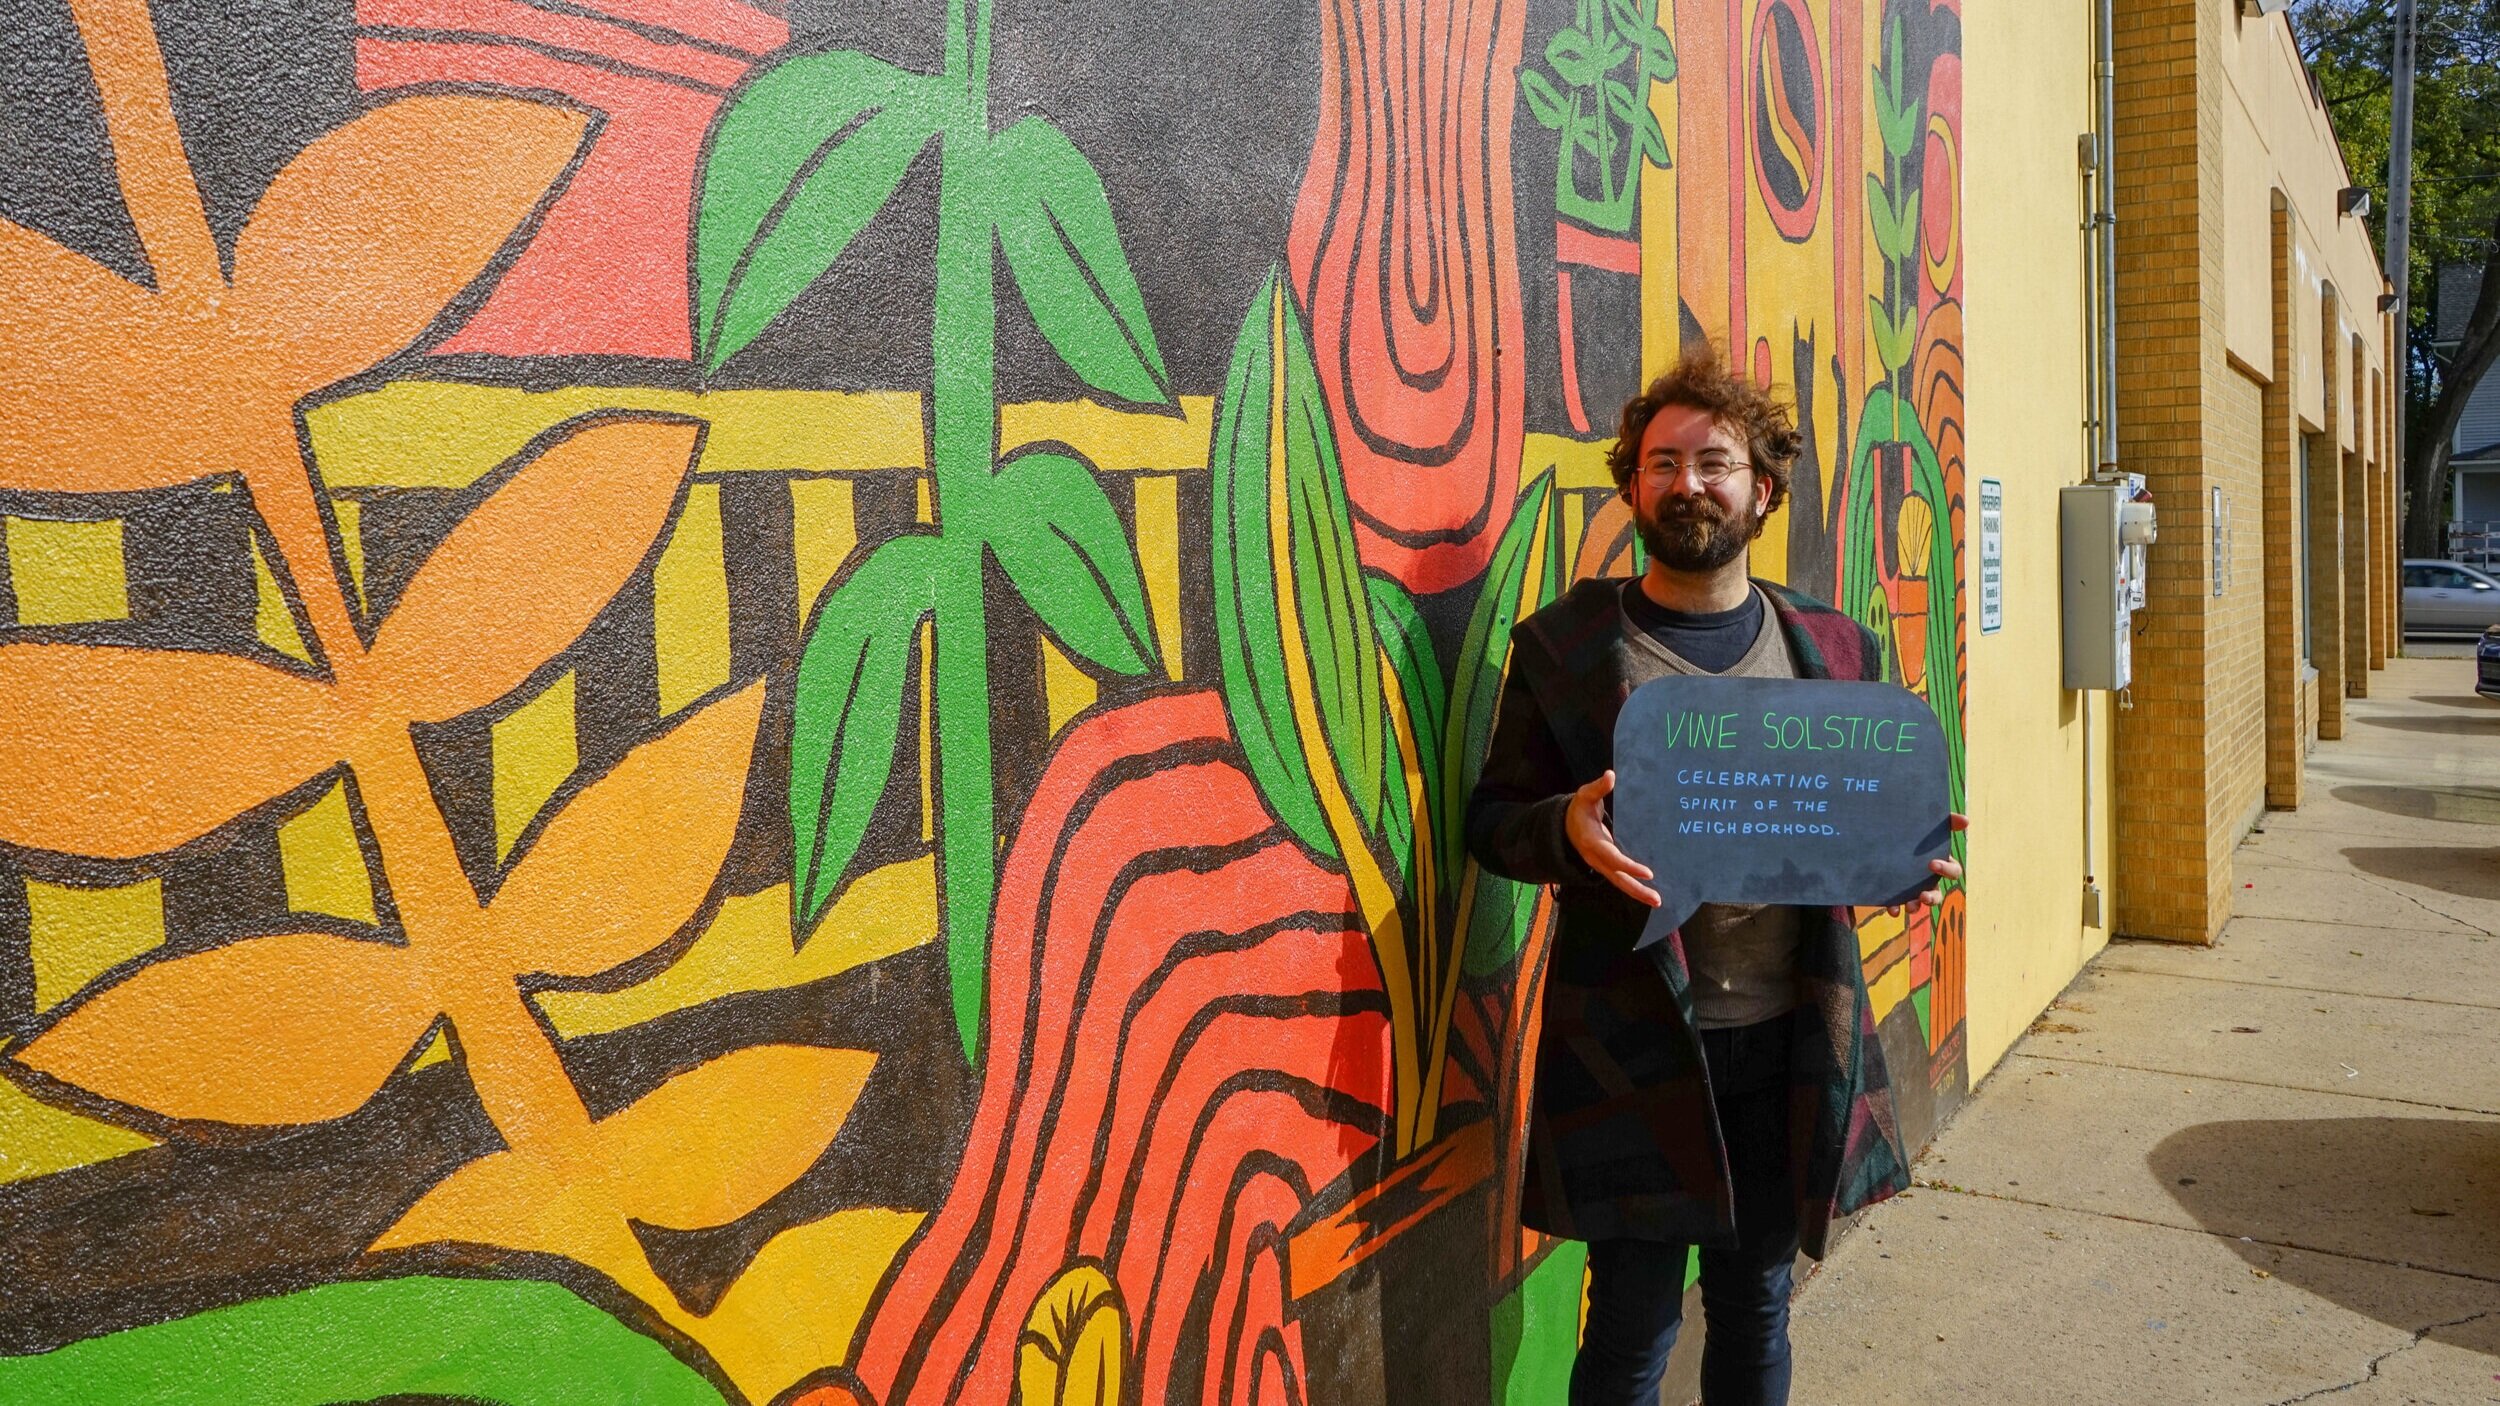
(2471, 805)
(2455, 727)
(2417, 1191)
(2469, 871)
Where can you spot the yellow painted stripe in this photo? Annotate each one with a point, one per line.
(445, 434)
(923, 508)
(37, 1139)
(67, 573)
(1159, 557)
(273, 620)
(448, 434)
(77, 934)
(748, 948)
(323, 864)
(1120, 441)
(824, 528)
(928, 799)
(1576, 463)
(690, 604)
(1066, 689)
(534, 751)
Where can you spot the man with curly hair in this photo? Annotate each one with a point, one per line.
(1722, 1089)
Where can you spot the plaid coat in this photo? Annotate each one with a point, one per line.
(1623, 1140)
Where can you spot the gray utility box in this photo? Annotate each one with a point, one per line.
(2094, 589)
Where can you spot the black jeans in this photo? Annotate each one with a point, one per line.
(1636, 1287)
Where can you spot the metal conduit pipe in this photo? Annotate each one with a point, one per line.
(2105, 233)
(2101, 236)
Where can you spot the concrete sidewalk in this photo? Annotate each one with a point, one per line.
(2264, 1172)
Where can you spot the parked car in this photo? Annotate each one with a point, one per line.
(2444, 598)
(2487, 664)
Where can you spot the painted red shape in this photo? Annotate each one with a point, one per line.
(605, 272)
(1403, 254)
(1200, 1042)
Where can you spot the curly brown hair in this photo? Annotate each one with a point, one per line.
(1702, 381)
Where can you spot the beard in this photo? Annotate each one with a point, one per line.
(1695, 534)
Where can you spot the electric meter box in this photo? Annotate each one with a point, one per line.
(2098, 584)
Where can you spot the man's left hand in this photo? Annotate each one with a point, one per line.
(1943, 868)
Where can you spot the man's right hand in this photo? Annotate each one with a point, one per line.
(1584, 824)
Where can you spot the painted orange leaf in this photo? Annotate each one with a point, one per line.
(699, 1151)
(624, 865)
(519, 580)
(120, 752)
(521, 1199)
(718, 1141)
(289, 1028)
(371, 230)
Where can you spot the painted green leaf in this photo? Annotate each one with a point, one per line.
(1546, 104)
(1275, 467)
(1619, 99)
(1336, 623)
(1526, 571)
(1661, 55)
(849, 703)
(1879, 215)
(1892, 339)
(1611, 52)
(1654, 138)
(1416, 675)
(1572, 58)
(1056, 228)
(1497, 909)
(514, 1342)
(1060, 542)
(1909, 232)
(1626, 15)
(1887, 115)
(800, 163)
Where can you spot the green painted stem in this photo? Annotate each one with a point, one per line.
(964, 454)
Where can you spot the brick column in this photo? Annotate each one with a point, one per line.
(2168, 875)
(2382, 567)
(2286, 729)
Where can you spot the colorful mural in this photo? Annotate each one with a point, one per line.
(744, 703)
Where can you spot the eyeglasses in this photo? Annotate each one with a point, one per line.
(1711, 468)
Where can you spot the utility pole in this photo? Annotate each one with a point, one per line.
(2399, 252)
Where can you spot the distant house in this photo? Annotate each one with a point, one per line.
(2474, 455)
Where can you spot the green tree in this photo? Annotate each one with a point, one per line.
(804, 158)
(2350, 46)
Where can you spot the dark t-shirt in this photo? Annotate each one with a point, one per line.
(1713, 642)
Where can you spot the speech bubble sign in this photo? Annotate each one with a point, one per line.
(1813, 792)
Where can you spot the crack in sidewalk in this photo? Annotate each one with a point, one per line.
(2418, 903)
(2382, 1359)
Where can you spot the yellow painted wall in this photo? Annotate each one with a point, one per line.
(2028, 68)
